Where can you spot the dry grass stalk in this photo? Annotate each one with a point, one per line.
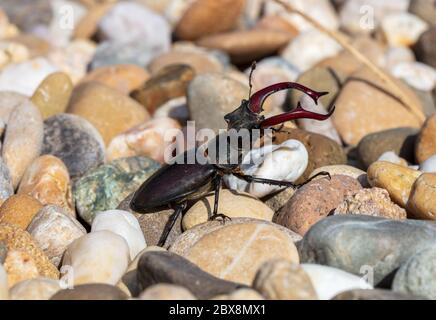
(340, 38)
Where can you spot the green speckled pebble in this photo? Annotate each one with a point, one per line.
(106, 186)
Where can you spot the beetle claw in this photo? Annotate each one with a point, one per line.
(221, 216)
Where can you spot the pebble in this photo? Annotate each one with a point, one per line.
(176, 109)
(247, 45)
(207, 103)
(75, 141)
(124, 224)
(372, 202)
(322, 150)
(73, 59)
(373, 294)
(170, 82)
(4, 288)
(154, 139)
(286, 161)
(131, 21)
(362, 109)
(36, 45)
(153, 223)
(282, 280)
(163, 291)
(206, 17)
(47, 180)
(87, 25)
(9, 100)
(19, 241)
(320, 10)
(424, 9)
(123, 77)
(19, 210)
(28, 14)
(396, 179)
(25, 77)
(20, 266)
(231, 204)
(328, 281)
(166, 267)
(401, 141)
(324, 194)
(425, 145)
(34, 289)
(240, 247)
(402, 29)
(240, 294)
(90, 291)
(12, 52)
(364, 245)
(200, 61)
(135, 52)
(346, 170)
(100, 256)
(392, 157)
(309, 48)
(351, 13)
(325, 127)
(7, 29)
(422, 199)
(418, 75)
(428, 165)
(6, 188)
(397, 55)
(275, 22)
(53, 93)
(111, 112)
(416, 275)
(424, 50)
(53, 229)
(103, 188)
(23, 139)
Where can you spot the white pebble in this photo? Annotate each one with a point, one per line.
(416, 74)
(124, 224)
(130, 21)
(363, 16)
(35, 289)
(176, 108)
(320, 10)
(4, 292)
(286, 161)
(396, 55)
(53, 229)
(25, 77)
(403, 29)
(101, 256)
(328, 281)
(391, 156)
(429, 165)
(309, 48)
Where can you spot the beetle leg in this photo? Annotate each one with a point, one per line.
(215, 214)
(280, 183)
(170, 223)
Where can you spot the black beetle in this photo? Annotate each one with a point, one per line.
(175, 184)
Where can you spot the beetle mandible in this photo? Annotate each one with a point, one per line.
(173, 185)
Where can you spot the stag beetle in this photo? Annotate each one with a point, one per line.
(175, 184)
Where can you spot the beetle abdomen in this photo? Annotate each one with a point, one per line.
(172, 184)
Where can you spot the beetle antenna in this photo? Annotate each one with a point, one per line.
(250, 83)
